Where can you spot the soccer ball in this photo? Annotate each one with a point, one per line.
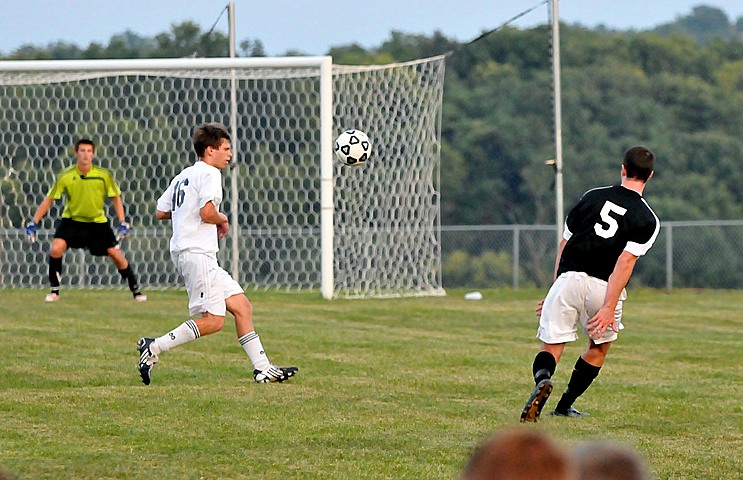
(352, 147)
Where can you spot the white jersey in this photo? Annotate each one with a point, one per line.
(187, 193)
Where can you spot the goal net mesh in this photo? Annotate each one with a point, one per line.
(386, 212)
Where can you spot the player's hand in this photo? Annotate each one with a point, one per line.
(600, 322)
(222, 229)
(31, 231)
(540, 305)
(123, 231)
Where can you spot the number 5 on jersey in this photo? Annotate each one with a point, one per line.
(611, 227)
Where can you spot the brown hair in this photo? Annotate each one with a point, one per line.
(519, 454)
(604, 460)
(84, 141)
(639, 162)
(209, 135)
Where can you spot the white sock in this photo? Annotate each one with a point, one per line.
(183, 333)
(251, 343)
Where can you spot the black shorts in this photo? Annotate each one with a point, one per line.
(96, 237)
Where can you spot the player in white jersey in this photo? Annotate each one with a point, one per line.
(192, 202)
(605, 234)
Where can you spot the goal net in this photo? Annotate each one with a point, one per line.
(299, 219)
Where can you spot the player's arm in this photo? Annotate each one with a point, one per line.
(210, 214)
(119, 208)
(44, 207)
(164, 208)
(617, 281)
(124, 229)
(32, 224)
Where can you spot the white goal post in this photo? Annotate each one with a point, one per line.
(300, 220)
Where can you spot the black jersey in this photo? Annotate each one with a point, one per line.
(605, 222)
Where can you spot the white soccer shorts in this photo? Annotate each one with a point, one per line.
(208, 285)
(573, 299)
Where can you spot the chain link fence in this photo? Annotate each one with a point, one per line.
(686, 254)
(693, 254)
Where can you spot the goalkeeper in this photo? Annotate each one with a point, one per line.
(84, 223)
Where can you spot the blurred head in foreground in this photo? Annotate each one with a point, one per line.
(604, 460)
(519, 454)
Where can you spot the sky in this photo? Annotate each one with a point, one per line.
(312, 27)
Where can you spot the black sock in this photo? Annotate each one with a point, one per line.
(128, 274)
(581, 378)
(55, 273)
(544, 366)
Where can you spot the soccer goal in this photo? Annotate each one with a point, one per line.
(300, 220)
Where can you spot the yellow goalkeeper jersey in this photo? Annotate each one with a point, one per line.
(85, 195)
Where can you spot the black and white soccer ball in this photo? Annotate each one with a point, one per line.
(352, 147)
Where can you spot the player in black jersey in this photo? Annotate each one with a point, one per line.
(605, 234)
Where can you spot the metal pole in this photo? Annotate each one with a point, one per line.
(669, 257)
(559, 215)
(516, 256)
(327, 277)
(233, 176)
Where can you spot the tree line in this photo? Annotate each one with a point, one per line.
(677, 89)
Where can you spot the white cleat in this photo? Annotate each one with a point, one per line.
(51, 297)
(140, 298)
(274, 374)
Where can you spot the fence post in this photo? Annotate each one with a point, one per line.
(669, 257)
(516, 255)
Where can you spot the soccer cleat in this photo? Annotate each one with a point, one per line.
(147, 359)
(51, 297)
(140, 297)
(536, 401)
(274, 374)
(571, 413)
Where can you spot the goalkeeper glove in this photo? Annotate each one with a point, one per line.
(31, 231)
(123, 231)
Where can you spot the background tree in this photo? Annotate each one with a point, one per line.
(678, 89)
(704, 24)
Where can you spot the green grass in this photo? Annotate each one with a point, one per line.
(388, 389)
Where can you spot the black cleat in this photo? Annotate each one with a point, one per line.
(147, 359)
(274, 374)
(536, 401)
(571, 413)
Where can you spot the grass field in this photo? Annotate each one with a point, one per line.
(387, 389)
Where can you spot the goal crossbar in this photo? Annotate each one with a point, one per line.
(161, 64)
